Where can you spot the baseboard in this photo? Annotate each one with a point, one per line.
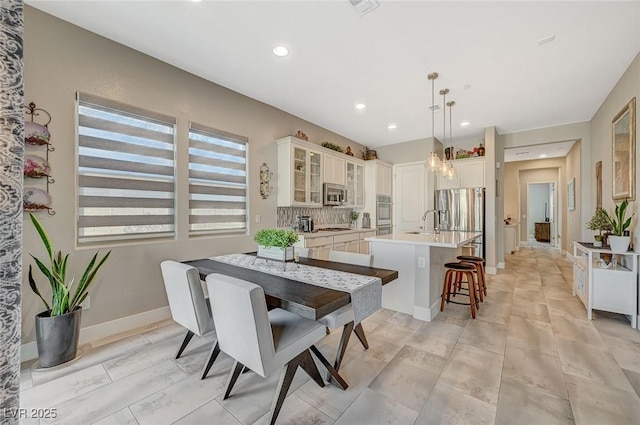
(501, 265)
(427, 314)
(491, 270)
(29, 351)
(568, 255)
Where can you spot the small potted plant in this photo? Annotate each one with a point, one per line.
(354, 218)
(58, 327)
(276, 244)
(620, 223)
(600, 221)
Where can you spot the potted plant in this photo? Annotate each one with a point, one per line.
(58, 327)
(620, 223)
(354, 218)
(600, 221)
(276, 244)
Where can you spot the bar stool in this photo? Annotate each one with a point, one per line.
(453, 277)
(481, 280)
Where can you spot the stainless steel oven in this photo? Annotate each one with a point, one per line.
(383, 210)
(384, 230)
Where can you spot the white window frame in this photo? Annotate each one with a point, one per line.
(205, 191)
(110, 187)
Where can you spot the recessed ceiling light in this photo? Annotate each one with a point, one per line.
(280, 51)
(392, 126)
(542, 156)
(464, 123)
(360, 106)
(466, 86)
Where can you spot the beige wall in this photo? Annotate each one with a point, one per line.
(625, 89)
(411, 151)
(61, 59)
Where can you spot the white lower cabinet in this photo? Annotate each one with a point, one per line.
(613, 289)
(321, 245)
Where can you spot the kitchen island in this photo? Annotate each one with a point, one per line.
(419, 259)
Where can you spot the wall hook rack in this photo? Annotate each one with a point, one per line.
(37, 168)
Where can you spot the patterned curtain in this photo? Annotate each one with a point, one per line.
(11, 160)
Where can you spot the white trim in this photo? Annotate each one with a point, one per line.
(501, 265)
(427, 314)
(29, 351)
(568, 255)
(491, 270)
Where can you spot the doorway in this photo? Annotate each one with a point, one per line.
(542, 213)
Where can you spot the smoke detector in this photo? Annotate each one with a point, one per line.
(364, 6)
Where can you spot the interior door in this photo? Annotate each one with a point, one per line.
(409, 198)
(552, 214)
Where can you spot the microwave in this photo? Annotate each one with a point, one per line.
(334, 194)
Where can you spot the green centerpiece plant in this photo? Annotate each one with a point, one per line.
(276, 244)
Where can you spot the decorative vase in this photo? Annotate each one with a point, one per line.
(619, 244)
(597, 244)
(276, 253)
(57, 337)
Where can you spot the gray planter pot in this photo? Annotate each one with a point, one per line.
(57, 337)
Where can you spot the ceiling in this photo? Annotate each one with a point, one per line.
(486, 53)
(544, 151)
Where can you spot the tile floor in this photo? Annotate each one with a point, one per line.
(530, 357)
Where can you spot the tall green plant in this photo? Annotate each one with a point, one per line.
(63, 300)
(619, 222)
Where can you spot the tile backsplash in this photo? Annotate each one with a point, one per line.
(321, 216)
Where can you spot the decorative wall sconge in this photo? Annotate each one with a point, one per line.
(265, 176)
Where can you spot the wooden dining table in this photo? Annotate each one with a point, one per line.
(304, 299)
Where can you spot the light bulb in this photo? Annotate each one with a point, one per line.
(433, 163)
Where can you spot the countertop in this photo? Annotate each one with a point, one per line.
(320, 232)
(446, 239)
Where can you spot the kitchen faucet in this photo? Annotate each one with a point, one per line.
(436, 219)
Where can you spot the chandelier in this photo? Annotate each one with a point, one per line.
(443, 166)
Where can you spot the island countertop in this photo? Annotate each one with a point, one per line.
(445, 239)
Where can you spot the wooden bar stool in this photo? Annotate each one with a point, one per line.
(481, 280)
(453, 280)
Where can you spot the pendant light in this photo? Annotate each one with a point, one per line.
(444, 167)
(433, 162)
(451, 172)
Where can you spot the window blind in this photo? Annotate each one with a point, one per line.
(217, 181)
(126, 169)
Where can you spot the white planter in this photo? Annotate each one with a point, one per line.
(597, 244)
(619, 244)
(276, 253)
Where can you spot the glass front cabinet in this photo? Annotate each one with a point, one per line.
(355, 185)
(299, 174)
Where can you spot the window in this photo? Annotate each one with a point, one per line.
(217, 181)
(126, 171)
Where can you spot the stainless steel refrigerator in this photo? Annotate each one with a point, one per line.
(463, 210)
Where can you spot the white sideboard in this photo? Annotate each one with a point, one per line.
(613, 289)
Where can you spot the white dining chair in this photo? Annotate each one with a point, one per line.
(344, 317)
(260, 340)
(304, 252)
(188, 305)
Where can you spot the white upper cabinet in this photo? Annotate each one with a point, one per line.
(469, 173)
(355, 184)
(383, 179)
(299, 174)
(334, 169)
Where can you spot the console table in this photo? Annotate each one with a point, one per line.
(613, 289)
(543, 232)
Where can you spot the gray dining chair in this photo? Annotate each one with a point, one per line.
(260, 340)
(344, 316)
(188, 306)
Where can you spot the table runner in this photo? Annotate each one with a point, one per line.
(365, 291)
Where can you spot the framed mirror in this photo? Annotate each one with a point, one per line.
(623, 143)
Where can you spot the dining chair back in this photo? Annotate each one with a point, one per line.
(344, 317)
(304, 252)
(188, 304)
(351, 258)
(260, 340)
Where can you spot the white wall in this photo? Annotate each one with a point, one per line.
(538, 197)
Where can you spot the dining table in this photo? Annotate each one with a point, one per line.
(305, 299)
